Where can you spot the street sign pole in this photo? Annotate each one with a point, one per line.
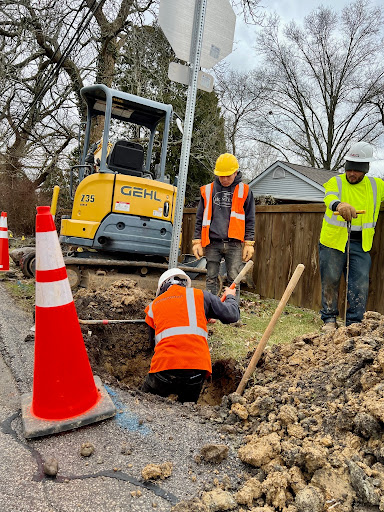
(198, 24)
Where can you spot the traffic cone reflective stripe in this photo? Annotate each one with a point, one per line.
(52, 285)
(4, 247)
(63, 384)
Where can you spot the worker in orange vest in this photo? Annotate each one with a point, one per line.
(225, 223)
(177, 319)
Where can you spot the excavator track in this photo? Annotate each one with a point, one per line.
(100, 272)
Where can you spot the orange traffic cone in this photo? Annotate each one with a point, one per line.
(4, 248)
(65, 393)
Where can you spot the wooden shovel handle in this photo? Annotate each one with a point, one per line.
(247, 267)
(267, 333)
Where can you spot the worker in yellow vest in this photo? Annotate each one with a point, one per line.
(225, 223)
(346, 193)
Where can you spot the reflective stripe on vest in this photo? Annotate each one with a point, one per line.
(240, 216)
(342, 223)
(208, 193)
(240, 195)
(192, 328)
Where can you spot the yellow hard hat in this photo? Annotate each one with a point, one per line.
(226, 165)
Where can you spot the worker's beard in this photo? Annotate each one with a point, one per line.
(353, 180)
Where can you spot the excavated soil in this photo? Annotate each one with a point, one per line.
(120, 353)
(309, 428)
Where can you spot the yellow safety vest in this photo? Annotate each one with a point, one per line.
(366, 195)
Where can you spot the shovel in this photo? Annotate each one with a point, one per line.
(264, 339)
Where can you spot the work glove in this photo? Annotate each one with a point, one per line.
(248, 250)
(197, 248)
(347, 211)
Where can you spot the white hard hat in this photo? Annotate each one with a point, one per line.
(360, 152)
(168, 274)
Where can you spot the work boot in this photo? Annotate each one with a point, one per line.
(329, 327)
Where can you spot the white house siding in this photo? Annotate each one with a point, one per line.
(289, 187)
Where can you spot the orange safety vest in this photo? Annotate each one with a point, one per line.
(181, 334)
(236, 227)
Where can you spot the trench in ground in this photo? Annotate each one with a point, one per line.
(121, 354)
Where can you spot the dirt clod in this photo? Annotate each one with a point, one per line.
(157, 471)
(51, 466)
(214, 452)
(87, 449)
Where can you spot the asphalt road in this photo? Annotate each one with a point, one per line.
(145, 430)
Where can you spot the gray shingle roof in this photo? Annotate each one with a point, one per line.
(319, 176)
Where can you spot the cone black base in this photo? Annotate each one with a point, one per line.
(37, 427)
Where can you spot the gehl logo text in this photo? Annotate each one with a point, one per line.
(139, 192)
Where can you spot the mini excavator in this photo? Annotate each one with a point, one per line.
(123, 205)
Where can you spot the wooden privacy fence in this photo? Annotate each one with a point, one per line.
(287, 235)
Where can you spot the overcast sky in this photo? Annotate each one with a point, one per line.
(243, 57)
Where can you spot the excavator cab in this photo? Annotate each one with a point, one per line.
(123, 203)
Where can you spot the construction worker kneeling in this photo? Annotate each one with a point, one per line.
(177, 320)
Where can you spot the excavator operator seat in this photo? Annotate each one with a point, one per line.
(126, 158)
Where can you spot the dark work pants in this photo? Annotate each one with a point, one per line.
(186, 384)
(232, 252)
(333, 263)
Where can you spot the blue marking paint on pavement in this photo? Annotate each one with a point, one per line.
(125, 418)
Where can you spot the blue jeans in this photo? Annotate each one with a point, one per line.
(333, 263)
(232, 253)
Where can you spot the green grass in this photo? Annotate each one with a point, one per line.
(225, 341)
(228, 341)
(23, 292)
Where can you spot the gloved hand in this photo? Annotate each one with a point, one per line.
(248, 250)
(197, 248)
(347, 211)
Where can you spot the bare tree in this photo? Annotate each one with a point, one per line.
(49, 50)
(319, 84)
(241, 96)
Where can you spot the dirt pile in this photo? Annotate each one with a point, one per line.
(314, 424)
(309, 428)
(123, 299)
(118, 353)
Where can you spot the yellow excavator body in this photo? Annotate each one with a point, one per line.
(117, 213)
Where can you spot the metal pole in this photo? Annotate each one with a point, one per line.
(198, 24)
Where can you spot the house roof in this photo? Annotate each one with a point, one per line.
(309, 174)
(320, 176)
(302, 183)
